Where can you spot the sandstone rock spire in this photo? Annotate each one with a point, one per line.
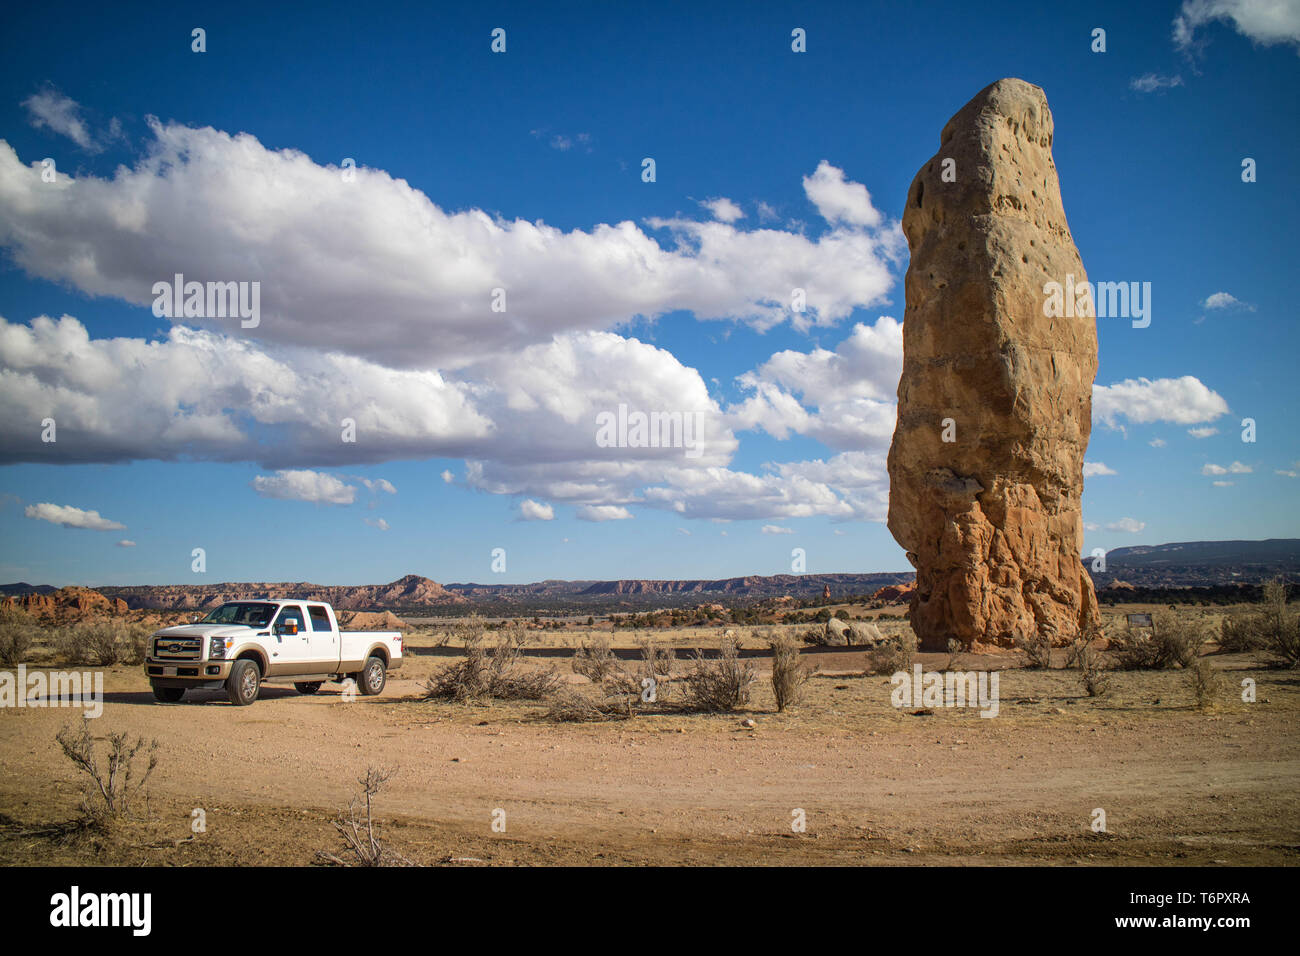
(995, 400)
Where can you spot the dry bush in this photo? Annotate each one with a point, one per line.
(1038, 650)
(17, 631)
(1082, 643)
(1092, 670)
(894, 655)
(103, 643)
(658, 665)
(1203, 681)
(357, 828)
(109, 792)
(595, 660)
(954, 652)
(789, 673)
(902, 652)
(460, 632)
(1171, 643)
(1239, 633)
(1272, 628)
(716, 686)
(496, 672)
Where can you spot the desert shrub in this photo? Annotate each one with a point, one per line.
(1037, 648)
(109, 791)
(789, 673)
(658, 664)
(595, 660)
(1203, 681)
(1082, 642)
(894, 655)
(720, 685)
(902, 652)
(496, 672)
(356, 826)
(1272, 628)
(1239, 633)
(103, 643)
(1092, 671)
(954, 652)
(17, 631)
(1171, 643)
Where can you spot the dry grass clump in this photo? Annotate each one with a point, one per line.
(789, 673)
(492, 673)
(103, 643)
(1172, 642)
(716, 686)
(17, 631)
(575, 707)
(356, 826)
(109, 791)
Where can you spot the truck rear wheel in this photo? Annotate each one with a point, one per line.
(244, 682)
(167, 695)
(373, 676)
(307, 687)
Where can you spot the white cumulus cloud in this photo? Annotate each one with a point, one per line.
(1126, 525)
(303, 484)
(70, 517)
(1182, 401)
(530, 510)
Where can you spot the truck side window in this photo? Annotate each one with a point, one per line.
(320, 618)
(291, 613)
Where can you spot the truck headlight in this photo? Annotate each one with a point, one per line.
(217, 649)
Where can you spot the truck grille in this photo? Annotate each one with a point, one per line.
(177, 648)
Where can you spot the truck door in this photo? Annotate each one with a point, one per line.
(290, 648)
(324, 643)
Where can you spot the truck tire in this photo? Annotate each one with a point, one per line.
(307, 687)
(372, 677)
(167, 695)
(244, 682)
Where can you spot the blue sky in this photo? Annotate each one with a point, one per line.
(522, 170)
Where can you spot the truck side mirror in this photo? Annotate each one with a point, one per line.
(289, 627)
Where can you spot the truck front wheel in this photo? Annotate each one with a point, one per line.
(244, 682)
(372, 678)
(167, 695)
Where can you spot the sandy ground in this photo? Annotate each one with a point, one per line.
(877, 785)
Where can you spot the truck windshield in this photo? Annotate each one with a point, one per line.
(247, 614)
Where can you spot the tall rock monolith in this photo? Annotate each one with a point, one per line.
(995, 400)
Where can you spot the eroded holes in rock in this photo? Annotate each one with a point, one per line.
(920, 192)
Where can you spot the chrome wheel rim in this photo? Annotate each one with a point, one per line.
(249, 683)
(374, 674)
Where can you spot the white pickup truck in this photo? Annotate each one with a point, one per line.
(242, 643)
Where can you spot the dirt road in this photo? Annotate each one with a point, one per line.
(875, 783)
